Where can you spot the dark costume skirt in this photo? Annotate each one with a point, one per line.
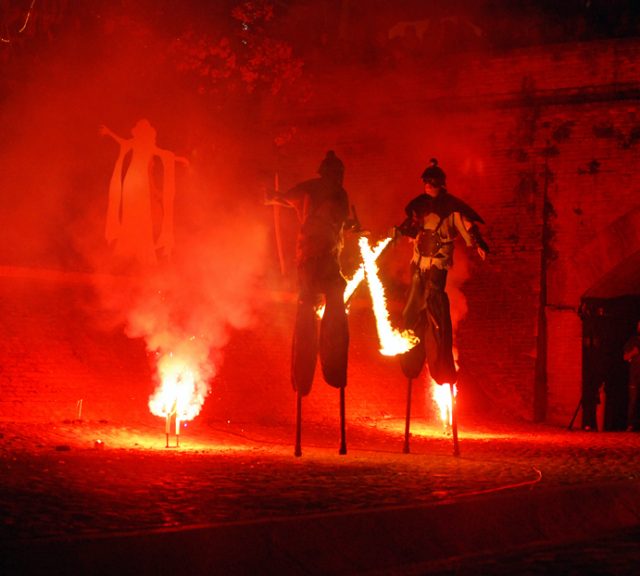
(317, 277)
(427, 313)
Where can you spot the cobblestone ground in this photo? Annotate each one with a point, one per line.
(615, 554)
(56, 479)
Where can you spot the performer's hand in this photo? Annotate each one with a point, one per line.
(104, 131)
(272, 199)
(481, 253)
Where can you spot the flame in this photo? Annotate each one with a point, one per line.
(441, 394)
(392, 341)
(358, 276)
(182, 390)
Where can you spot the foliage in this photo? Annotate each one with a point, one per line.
(249, 59)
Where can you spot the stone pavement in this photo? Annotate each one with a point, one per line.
(611, 554)
(109, 498)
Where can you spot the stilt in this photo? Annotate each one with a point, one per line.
(407, 422)
(454, 422)
(343, 431)
(298, 448)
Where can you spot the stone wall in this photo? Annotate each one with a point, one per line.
(542, 142)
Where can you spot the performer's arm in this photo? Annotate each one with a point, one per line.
(470, 233)
(409, 227)
(277, 200)
(290, 199)
(168, 156)
(105, 131)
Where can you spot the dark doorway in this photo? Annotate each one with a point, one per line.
(607, 323)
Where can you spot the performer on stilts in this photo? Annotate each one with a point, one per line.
(433, 220)
(322, 205)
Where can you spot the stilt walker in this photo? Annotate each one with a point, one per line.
(322, 206)
(434, 219)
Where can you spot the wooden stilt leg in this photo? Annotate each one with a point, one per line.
(407, 422)
(454, 422)
(343, 432)
(298, 448)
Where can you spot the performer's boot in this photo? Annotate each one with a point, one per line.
(413, 317)
(438, 336)
(334, 344)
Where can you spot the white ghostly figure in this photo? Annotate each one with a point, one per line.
(130, 221)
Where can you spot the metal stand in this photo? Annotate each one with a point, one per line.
(298, 449)
(407, 422)
(343, 433)
(454, 422)
(167, 427)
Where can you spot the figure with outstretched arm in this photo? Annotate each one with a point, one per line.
(322, 205)
(434, 219)
(129, 224)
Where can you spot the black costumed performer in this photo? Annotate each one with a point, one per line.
(322, 205)
(433, 221)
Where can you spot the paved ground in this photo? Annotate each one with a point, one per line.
(104, 498)
(616, 554)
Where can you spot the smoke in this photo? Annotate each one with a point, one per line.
(185, 307)
(54, 175)
(113, 69)
(188, 308)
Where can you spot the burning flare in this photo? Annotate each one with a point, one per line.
(392, 341)
(181, 391)
(441, 394)
(358, 276)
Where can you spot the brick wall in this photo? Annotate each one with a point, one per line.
(557, 121)
(56, 351)
(58, 345)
